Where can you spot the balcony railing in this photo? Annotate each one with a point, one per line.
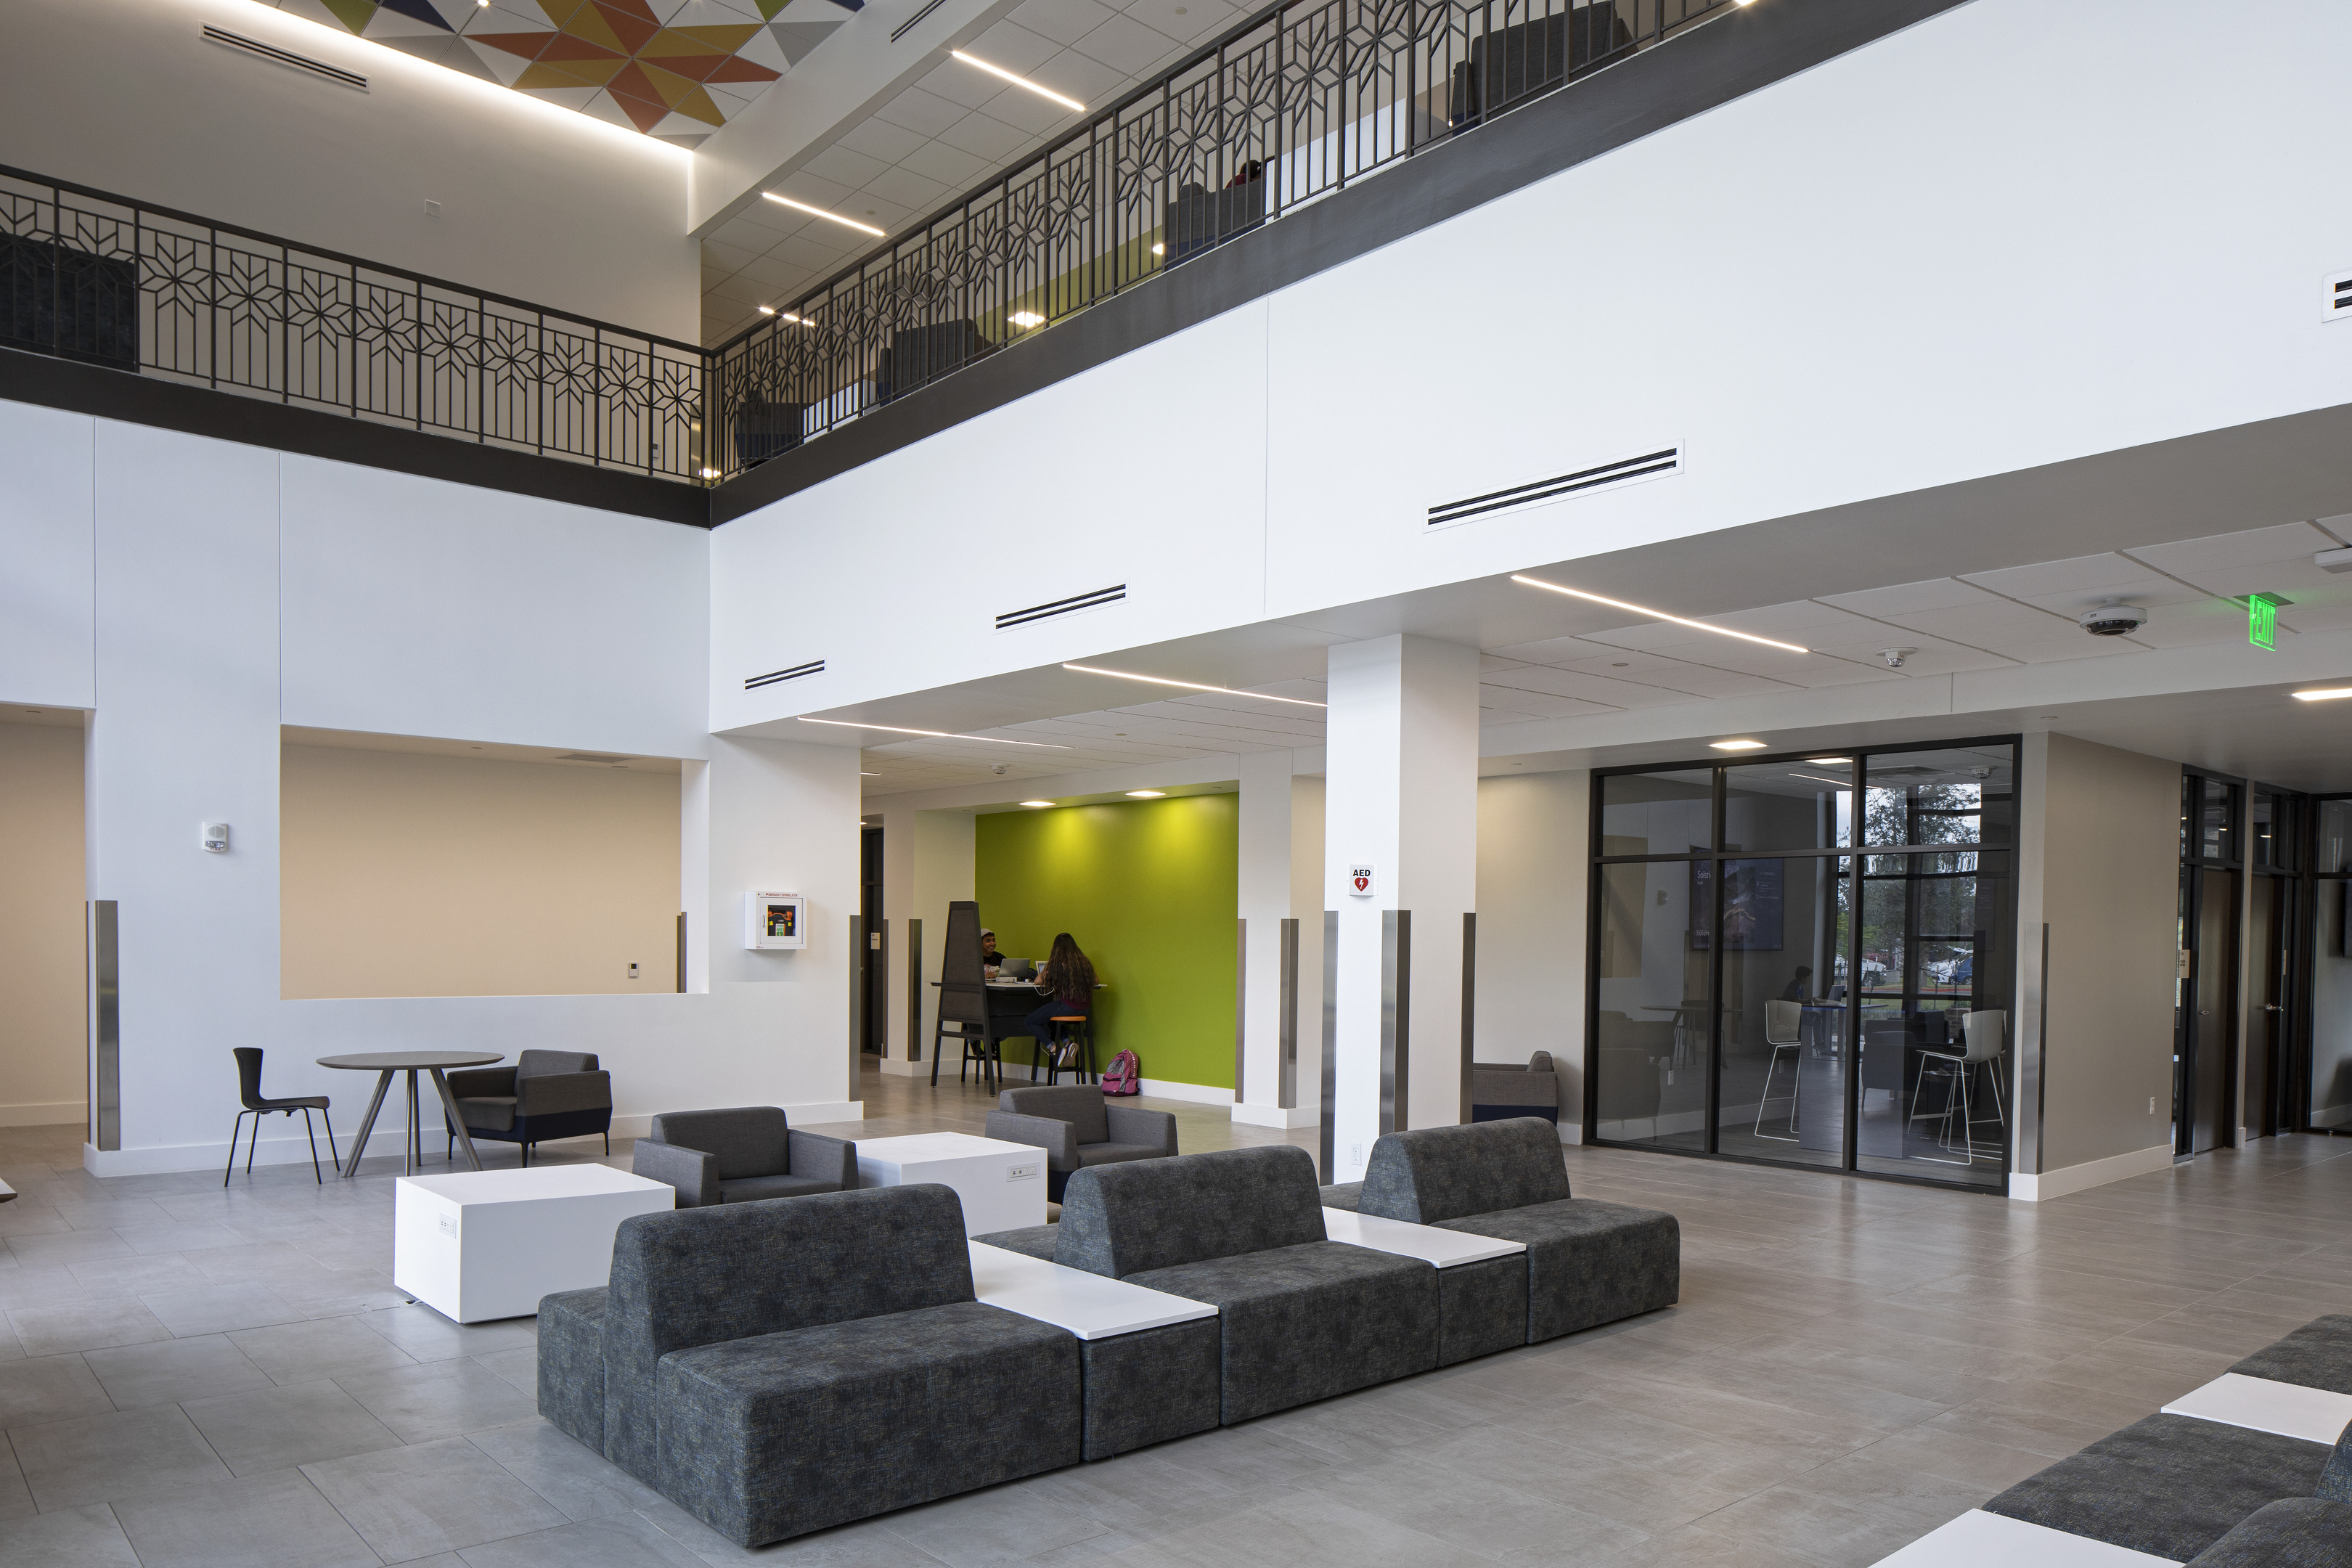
(96, 278)
(1295, 104)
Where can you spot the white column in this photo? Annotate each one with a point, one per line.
(927, 863)
(1265, 902)
(1401, 800)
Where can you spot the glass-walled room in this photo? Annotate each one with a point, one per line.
(2330, 1074)
(1777, 976)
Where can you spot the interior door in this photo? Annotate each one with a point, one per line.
(2269, 931)
(2212, 1037)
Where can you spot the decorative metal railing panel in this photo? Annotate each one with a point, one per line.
(117, 283)
(1293, 105)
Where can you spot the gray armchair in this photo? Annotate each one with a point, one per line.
(738, 1156)
(1499, 1093)
(545, 1095)
(1077, 1130)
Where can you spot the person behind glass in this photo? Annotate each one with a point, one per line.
(1068, 982)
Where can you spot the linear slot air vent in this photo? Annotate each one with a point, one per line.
(911, 23)
(1648, 466)
(813, 667)
(272, 53)
(604, 757)
(1069, 606)
(2335, 297)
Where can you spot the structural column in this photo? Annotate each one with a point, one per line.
(1401, 849)
(1264, 897)
(927, 863)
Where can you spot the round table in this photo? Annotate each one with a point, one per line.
(411, 1063)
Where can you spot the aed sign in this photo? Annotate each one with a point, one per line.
(1359, 882)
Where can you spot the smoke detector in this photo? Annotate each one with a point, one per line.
(1895, 656)
(2112, 620)
(999, 769)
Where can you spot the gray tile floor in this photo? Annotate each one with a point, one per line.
(192, 1377)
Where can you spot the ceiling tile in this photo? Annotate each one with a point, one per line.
(1064, 21)
(1906, 598)
(950, 166)
(1125, 43)
(922, 111)
(989, 139)
(879, 138)
(1012, 47)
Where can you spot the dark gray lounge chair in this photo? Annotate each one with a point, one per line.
(1300, 1317)
(1079, 1130)
(1588, 1263)
(738, 1156)
(775, 1368)
(544, 1096)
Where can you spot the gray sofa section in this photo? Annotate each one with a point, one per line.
(1300, 1317)
(1031, 1241)
(1588, 1263)
(572, 1364)
(741, 1155)
(1078, 1130)
(2293, 1532)
(2316, 1355)
(777, 1367)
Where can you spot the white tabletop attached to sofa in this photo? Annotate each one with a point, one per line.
(478, 1244)
(1002, 1184)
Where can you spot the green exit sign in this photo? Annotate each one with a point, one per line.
(2262, 620)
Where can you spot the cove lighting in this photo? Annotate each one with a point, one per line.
(936, 734)
(1146, 793)
(1191, 685)
(1738, 745)
(1654, 615)
(1025, 318)
(1033, 804)
(1070, 103)
(767, 310)
(820, 212)
(2322, 694)
(1831, 761)
(1841, 784)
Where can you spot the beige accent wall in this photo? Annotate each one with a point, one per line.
(2110, 887)
(1534, 869)
(409, 874)
(42, 968)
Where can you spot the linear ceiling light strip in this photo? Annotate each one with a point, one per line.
(1193, 685)
(935, 734)
(1655, 615)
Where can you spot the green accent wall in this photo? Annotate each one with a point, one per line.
(1150, 890)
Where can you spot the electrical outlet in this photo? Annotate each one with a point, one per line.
(632, 971)
(1023, 1172)
(2151, 1105)
(1355, 1153)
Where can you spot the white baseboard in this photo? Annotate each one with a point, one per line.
(63, 1112)
(1195, 1093)
(1250, 1115)
(1572, 1132)
(893, 1068)
(812, 1115)
(2089, 1174)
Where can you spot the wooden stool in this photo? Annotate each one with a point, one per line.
(1073, 1033)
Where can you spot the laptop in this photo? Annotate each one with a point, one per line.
(1016, 969)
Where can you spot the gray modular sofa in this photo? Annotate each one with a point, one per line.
(1078, 1130)
(2208, 1493)
(777, 1367)
(1299, 1316)
(1588, 1263)
(736, 1156)
(1501, 1093)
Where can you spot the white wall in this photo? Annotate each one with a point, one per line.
(214, 601)
(927, 864)
(1534, 870)
(411, 875)
(536, 202)
(1281, 459)
(41, 960)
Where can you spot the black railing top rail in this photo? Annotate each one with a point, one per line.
(134, 204)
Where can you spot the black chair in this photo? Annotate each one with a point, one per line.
(1071, 1047)
(963, 999)
(546, 1094)
(249, 1093)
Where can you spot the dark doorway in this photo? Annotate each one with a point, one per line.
(873, 970)
(2205, 1034)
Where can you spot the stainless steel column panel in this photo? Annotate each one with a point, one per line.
(681, 951)
(1396, 1019)
(106, 1024)
(1241, 1003)
(1330, 1039)
(879, 943)
(914, 991)
(1469, 1005)
(1287, 1023)
(857, 957)
(2031, 1056)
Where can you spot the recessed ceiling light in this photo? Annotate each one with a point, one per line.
(767, 310)
(1190, 685)
(1738, 745)
(1036, 802)
(1070, 103)
(1146, 793)
(820, 212)
(1026, 318)
(1654, 615)
(711, 473)
(1159, 250)
(1840, 784)
(2322, 693)
(1831, 761)
(938, 734)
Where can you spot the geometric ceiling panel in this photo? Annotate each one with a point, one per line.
(675, 69)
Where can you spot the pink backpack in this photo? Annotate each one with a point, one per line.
(1125, 1075)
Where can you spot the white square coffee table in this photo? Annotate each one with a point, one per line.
(1002, 1185)
(477, 1244)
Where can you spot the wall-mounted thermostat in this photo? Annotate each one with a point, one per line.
(775, 920)
(216, 838)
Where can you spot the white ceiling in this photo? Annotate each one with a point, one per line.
(1609, 662)
(950, 131)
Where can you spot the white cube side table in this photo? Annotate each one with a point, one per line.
(1002, 1185)
(478, 1244)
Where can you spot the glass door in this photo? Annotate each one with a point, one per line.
(2328, 1075)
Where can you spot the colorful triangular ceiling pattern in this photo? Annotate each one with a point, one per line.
(673, 68)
